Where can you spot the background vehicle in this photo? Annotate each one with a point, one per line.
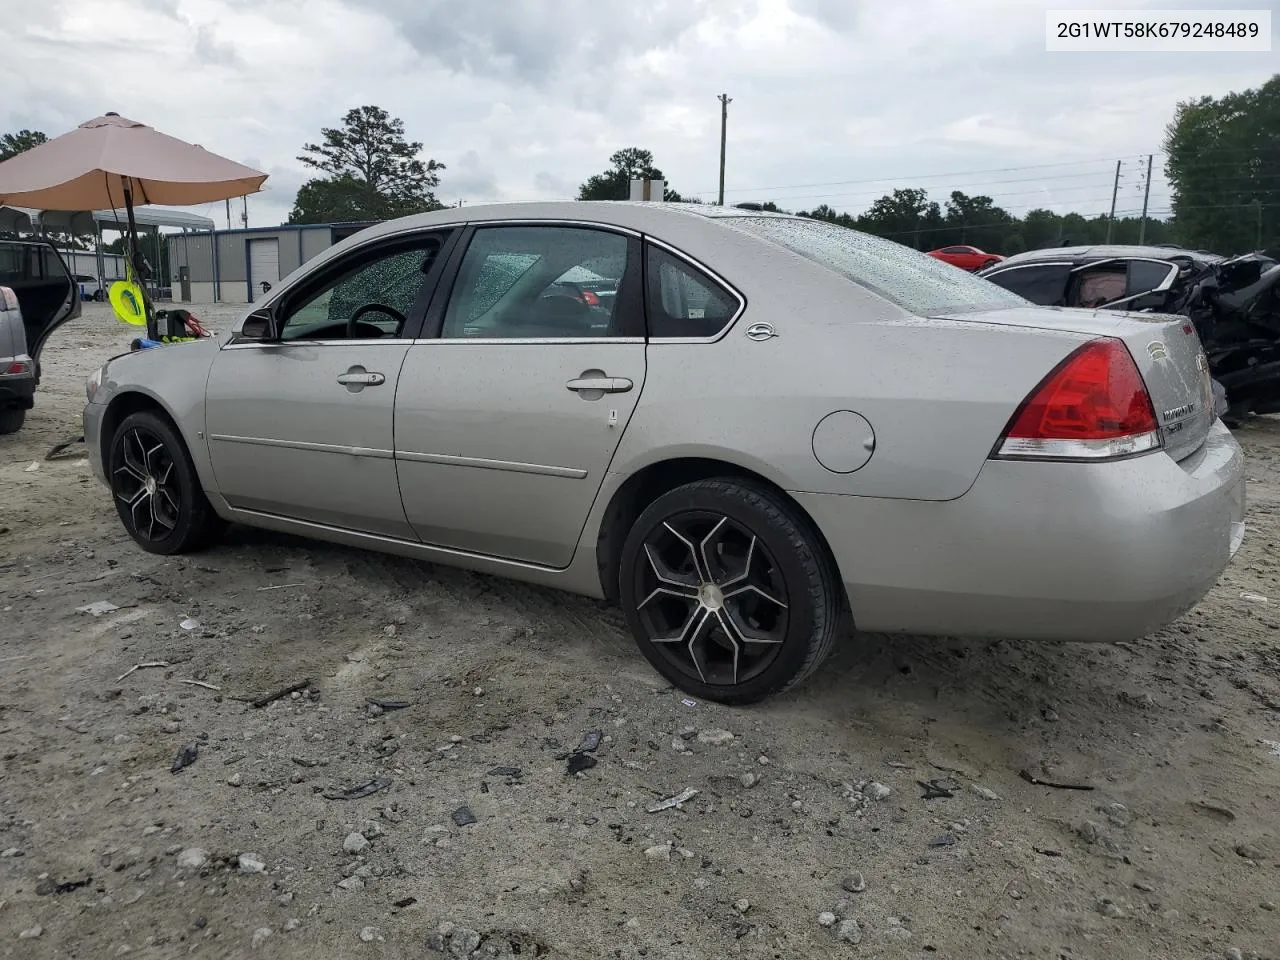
(36, 296)
(966, 257)
(90, 289)
(1233, 303)
(735, 472)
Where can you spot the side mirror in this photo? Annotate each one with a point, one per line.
(259, 325)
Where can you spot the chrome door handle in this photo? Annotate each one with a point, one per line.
(603, 384)
(361, 379)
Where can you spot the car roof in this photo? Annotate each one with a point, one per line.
(28, 242)
(1084, 254)
(634, 214)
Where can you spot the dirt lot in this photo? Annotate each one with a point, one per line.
(246, 852)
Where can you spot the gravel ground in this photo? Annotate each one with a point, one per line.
(808, 835)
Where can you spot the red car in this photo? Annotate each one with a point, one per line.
(966, 258)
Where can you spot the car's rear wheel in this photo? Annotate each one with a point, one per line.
(12, 419)
(155, 487)
(729, 591)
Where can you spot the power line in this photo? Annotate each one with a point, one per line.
(1199, 168)
(923, 176)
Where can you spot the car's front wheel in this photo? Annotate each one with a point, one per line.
(155, 487)
(729, 591)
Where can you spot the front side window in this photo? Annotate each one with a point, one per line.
(538, 282)
(915, 281)
(683, 301)
(370, 300)
(1098, 286)
(1146, 275)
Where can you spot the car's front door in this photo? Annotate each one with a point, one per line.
(299, 424)
(507, 419)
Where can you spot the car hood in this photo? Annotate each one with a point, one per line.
(144, 368)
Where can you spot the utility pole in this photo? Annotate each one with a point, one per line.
(1115, 188)
(724, 128)
(228, 213)
(1146, 195)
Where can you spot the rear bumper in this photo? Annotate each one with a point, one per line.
(18, 391)
(1050, 551)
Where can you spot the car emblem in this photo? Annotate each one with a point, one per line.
(1156, 350)
(761, 331)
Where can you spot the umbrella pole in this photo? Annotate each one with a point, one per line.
(135, 259)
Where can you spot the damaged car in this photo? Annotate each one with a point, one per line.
(1232, 302)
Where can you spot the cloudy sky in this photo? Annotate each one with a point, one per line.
(834, 101)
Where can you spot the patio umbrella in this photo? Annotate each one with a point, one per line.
(110, 161)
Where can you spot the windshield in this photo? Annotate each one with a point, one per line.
(914, 281)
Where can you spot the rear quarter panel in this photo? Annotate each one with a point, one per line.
(938, 393)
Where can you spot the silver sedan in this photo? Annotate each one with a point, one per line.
(744, 426)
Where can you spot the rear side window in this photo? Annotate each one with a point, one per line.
(682, 300)
(915, 281)
(1045, 284)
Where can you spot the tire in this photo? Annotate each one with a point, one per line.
(772, 583)
(155, 488)
(11, 420)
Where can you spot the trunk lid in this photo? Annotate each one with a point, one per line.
(1165, 347)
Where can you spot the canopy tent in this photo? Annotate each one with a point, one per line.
(114, 162)
(15, 220)
(88, 222)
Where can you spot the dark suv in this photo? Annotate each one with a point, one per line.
(37, 295)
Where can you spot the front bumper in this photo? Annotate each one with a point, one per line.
(1050, 551)
(91, 420)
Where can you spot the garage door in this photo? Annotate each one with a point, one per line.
(264, 264)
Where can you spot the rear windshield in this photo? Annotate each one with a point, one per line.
(914, 281)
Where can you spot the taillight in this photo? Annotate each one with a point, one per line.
(8, 299)
(590, 298)
(1094, 405)
(18, 366)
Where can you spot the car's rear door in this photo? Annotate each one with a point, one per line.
(47, 295)
(300, 426)
(509, 412)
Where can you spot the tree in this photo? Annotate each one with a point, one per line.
(12, 144)
(906, 215)
(974, 220)
(631, 163)
(1224, 166)
(371, 172)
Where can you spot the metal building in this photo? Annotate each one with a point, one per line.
(231, 266)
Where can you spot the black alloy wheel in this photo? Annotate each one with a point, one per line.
(155, 488)
(728, 590)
